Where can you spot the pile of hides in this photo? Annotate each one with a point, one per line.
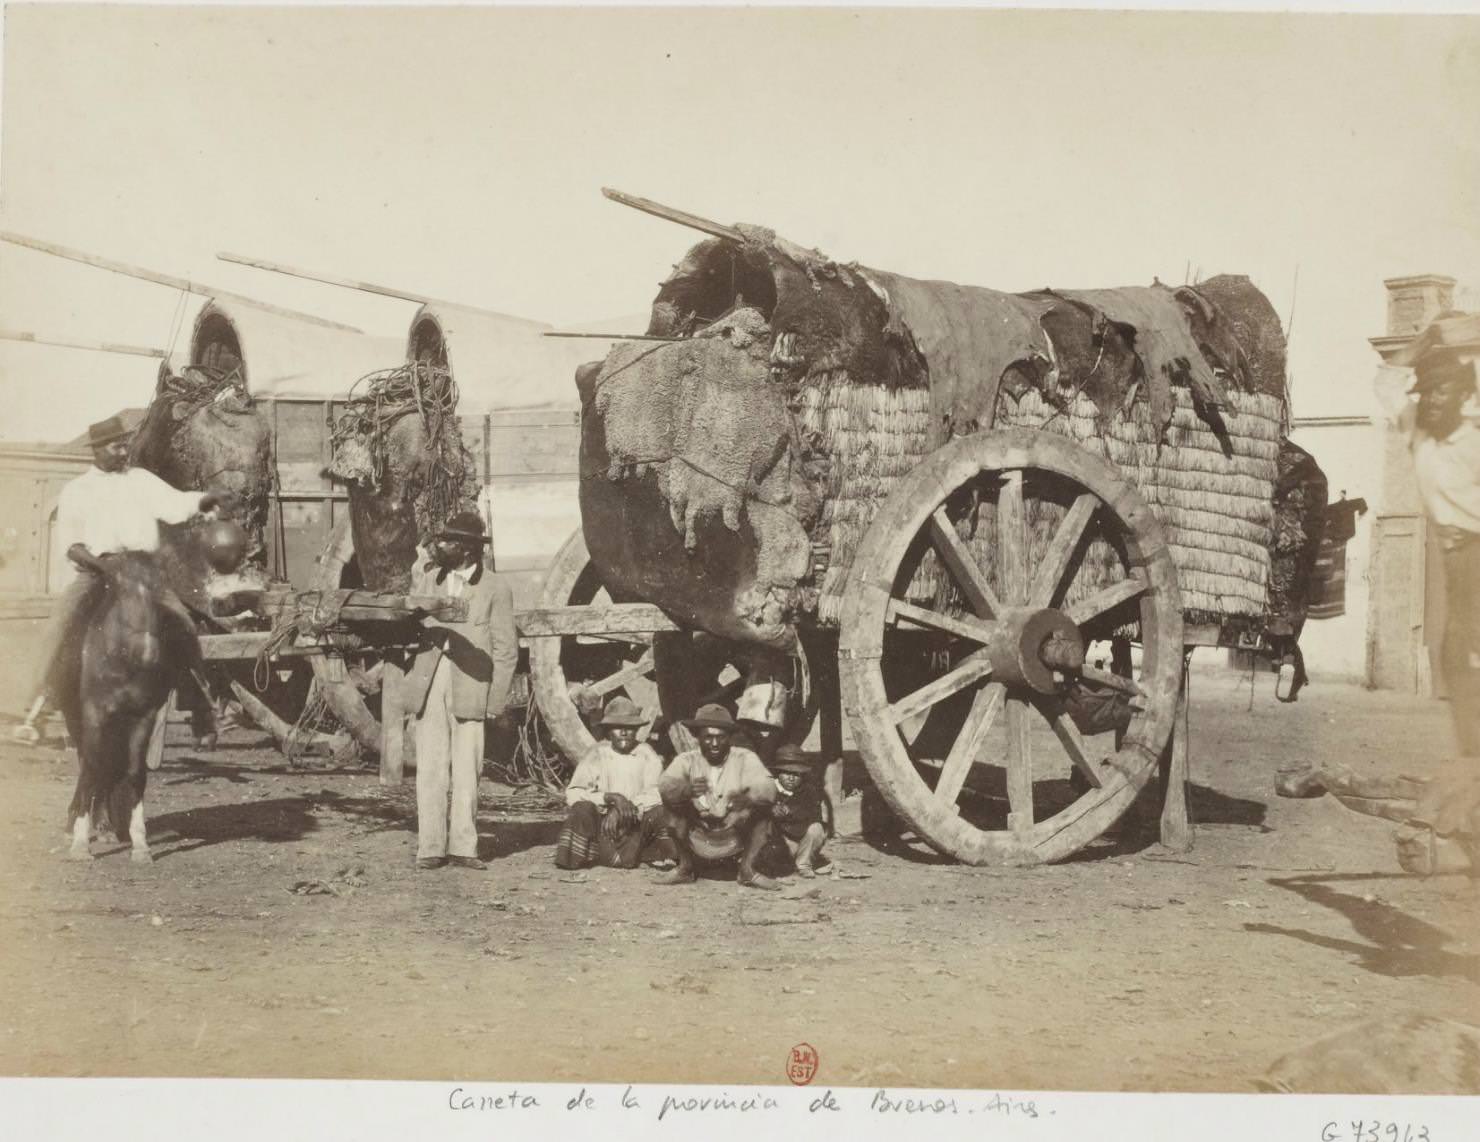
(202, 431)
(819, 384)
(398, 445)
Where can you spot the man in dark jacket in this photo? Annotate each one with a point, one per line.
(461, 677)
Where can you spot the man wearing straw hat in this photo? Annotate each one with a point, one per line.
(460, 678)
(616, 816)
(111, 507)
(718, 800)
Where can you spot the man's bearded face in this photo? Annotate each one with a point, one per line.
(453, 552)
(623, 738)
(714, 744)
(113, 456)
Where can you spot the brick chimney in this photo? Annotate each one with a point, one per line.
(1412, 303)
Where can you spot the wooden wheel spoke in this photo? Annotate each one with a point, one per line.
(630, 673)
(922, 616)
(1068, 735)
(1106, 599)
(963, 566)
(968, 743)
(1012, 540)
(973, 668)
(1019, 766)
(1049, 579)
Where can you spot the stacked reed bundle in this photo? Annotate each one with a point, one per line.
(869, 435)
(1216, 507)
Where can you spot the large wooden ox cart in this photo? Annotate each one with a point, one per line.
(336, 624)
(971, 534)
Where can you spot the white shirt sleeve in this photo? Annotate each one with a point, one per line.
(169, 505)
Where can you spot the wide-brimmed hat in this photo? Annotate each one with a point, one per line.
(712, 716)
(622, 711)
(466, 526)
(107, 431)
(792, 759)
(716, 844)
(1444, 371)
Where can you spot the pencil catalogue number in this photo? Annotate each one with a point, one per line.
(1375, 1130)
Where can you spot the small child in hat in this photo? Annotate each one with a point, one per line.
(797, 811)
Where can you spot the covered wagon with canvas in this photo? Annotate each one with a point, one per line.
(975, 532)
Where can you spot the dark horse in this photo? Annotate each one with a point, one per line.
(133, 649)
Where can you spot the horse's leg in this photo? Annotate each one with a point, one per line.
(81, 823)
(137, 835)
(138, 775)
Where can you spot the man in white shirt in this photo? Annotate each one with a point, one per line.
(615, 816)
(109, 508)
(1443, 429)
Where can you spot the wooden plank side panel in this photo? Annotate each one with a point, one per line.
(521, 444)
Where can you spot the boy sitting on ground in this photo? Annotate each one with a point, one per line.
(797, 811)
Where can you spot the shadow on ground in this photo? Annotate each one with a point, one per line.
(273, 820)
(1392, 943)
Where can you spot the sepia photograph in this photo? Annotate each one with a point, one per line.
(809, 553)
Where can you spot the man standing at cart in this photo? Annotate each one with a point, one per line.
(460, 678)
(1443, 429)
(718, 800)
(112, 507)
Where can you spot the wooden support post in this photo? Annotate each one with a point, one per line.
(392, 723)
(1176, 826)
(822, 657)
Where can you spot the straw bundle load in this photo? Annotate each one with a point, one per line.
(1181, 390)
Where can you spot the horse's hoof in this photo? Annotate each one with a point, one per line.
(141, 856)
(79, 854)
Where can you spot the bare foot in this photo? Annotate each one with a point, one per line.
(677, 876)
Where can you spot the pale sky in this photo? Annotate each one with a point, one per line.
(460, 153)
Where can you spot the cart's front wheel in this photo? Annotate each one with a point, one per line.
(965, 647)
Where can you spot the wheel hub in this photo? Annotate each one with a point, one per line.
(1032, 644)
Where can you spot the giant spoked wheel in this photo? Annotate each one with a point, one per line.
(669, 673)
(572, 676)
(971, 606)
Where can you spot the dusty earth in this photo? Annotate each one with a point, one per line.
(1130, 968)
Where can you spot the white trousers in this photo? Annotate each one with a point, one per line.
(449, 758)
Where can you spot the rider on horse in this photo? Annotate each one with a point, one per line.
(109, 508)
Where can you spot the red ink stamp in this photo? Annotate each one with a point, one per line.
(801, 1064)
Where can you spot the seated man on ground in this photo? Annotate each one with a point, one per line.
(797, 812)
(718, 801)
(616, 817)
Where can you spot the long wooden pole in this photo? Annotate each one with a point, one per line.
(613, 336)
(70, 343)
(682, 217)
(132, 271)
(349, 283)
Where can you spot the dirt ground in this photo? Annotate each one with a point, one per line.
(1128, 969)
